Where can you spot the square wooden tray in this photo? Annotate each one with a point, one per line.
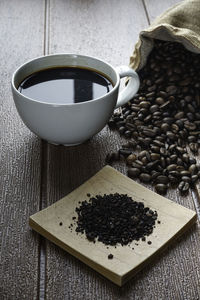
(126, 262)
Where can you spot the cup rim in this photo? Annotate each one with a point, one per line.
(64, 104)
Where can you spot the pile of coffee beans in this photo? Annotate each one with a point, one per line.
(114, 219)
(162, 121)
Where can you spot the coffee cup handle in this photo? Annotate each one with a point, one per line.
(132, 86)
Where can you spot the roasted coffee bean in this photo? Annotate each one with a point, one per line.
(131, 158)
(192, 160)
(163, 117)
(109, 158)
(174, 128)
(179, 115)
(174, 173)
(159, 101)
(193, 169)
(173, 180)
(154, 108)
(158, 143)
(185, 157)
(173, 158)
(155, 174)
(193, 147)
(162, 179)
(163, 151)
(125, 151)
(142, 154)
(149, 132)
(183, 187)
(144, 160)
(144, 104)
(151, 165)
(171, 135)
(186, 179)
(144, 177)
(185, 173)
(168, 120)
(137, 161)
(171, 90)
(155, 156)
(122, 129)
(180, 150)
(133, 172)
(155, 148)
(171, 167)
(194, 178)
(161, 188)
(135, 165)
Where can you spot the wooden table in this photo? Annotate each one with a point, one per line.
(35, 174)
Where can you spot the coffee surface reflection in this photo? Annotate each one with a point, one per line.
(64, 85)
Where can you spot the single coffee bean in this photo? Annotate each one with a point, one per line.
(159, 101)
(165, 127)
(183, 187)
(155, 156)
(172, 167)
(194, 178)
(185, 173)
(133, 172)
(149, 132)
(174, 128)
(173, 158)
(131, 158)
(174, 173)
(155, 174)
(125, 152)
(144, 177)
(162, 179)
(154, 108)
(171, 90)
(122, 129)
(193, 147)
(142, 154)
(179, 115)
(186, 179)
(144, 104)
(185, 157)
(161, 188)
(193, 169)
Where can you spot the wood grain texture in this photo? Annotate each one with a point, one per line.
(109, 30)
(21, 38)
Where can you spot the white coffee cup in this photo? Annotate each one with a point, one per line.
(71, 124)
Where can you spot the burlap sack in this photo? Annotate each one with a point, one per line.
(180, 23)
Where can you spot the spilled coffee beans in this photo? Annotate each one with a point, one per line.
(114, 219)
(163, 120)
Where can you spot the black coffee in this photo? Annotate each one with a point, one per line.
(65, 85)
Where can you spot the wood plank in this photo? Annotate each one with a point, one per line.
(107, 30)
(21, 38)
(77, 26)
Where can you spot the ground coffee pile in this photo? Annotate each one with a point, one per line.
(162, 121)
(114, 219)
